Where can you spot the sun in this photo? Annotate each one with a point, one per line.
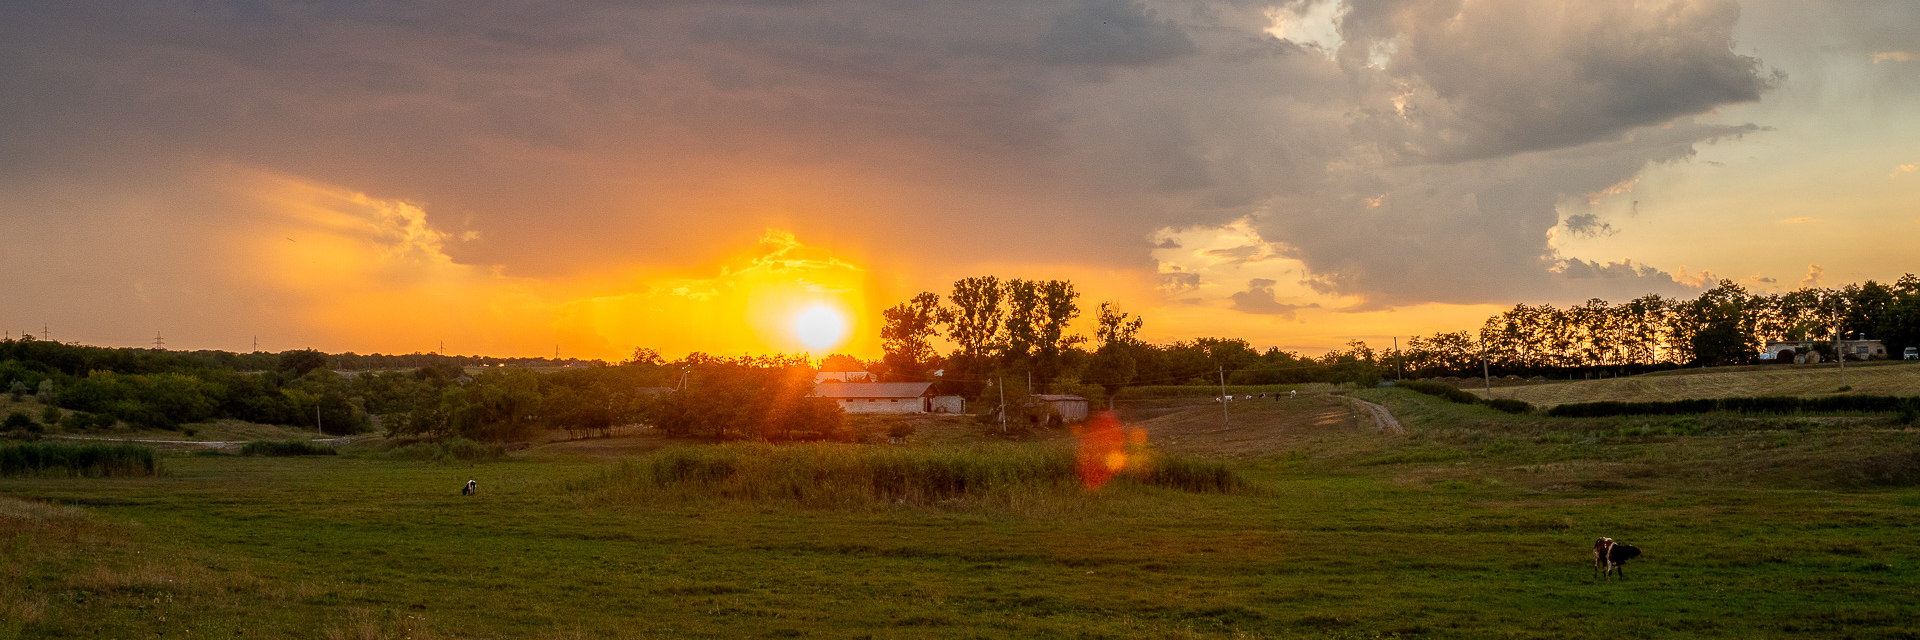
(820, 327)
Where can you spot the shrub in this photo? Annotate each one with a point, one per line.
(450, 450)
(19, 420)
(1448, 392)
(286, 448)
(841, 476)
(1509, 405)
(77, 460)
(1456, 395)
(1758, 404)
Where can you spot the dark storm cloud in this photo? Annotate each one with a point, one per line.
(614, 132)
(1112, 32)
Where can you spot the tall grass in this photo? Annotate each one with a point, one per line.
(77, 460)
(450, 450)
(831, 476)
(286, 448)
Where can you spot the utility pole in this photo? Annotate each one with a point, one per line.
(1002, 384)
(159, 343)
(256, 344)
(1397, 366)
(1226, 420)
(1486, 371)
(1840, 351)
(316, 419)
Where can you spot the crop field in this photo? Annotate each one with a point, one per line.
(1470, 524)
(1878, 378)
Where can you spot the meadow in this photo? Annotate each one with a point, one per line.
(1470, 524)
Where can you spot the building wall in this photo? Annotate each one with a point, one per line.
(882, 405)
(1070, 410)
(949, 404)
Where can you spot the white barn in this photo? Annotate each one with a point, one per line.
(888, 397)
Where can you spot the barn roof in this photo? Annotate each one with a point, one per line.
(872, 389)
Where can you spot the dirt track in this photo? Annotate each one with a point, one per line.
(1262, 427)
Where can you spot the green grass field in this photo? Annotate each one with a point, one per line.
(1473, 524)
(1893, 378)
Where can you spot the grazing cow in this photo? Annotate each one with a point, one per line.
(470, 489)
(1610, 556)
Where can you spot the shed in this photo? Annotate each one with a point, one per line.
(1071, 408)
(878, 397)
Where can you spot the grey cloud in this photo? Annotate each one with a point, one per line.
(604, 131)
(1259, 299)
(1492, 78)
(1587, 224)
(1112, 33)
(1179, 282)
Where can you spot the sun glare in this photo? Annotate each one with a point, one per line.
(821, 328)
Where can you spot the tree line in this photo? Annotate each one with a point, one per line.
(1724, 325)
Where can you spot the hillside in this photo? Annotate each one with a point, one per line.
(1889, 378)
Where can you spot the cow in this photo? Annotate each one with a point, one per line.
(1610, 556)
(471, 488)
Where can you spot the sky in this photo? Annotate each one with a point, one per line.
(520, 178)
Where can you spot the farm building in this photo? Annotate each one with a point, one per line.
(1071, 408)
(888, 397)
(1801, 349)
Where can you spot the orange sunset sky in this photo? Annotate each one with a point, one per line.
(508, 178)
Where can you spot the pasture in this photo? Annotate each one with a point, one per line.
(1890, 378)
(1471, 524)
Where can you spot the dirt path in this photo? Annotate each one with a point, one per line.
(1263, 427)
(1379, 415)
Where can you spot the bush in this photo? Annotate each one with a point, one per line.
(19, 421)
(841, 476)
(450, 450)
(286, 448)
(1456, 395)
(1509, 405)
(1758, 404)
(77, 460)
(1449, 392)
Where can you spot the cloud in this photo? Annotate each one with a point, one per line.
(1892, 56)
(1259, 299)
(1427, 159)
(1905, 168)
(1112, 33)
(1177, 282)
(1814, 274)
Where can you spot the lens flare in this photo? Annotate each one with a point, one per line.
(1103, 449)
(821, 328)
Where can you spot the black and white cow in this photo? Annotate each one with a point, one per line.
(471, 488)
(1610, 556)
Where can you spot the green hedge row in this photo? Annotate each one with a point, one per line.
(286, 448)
(1454, 394)
(1758, 404)
(77, 460)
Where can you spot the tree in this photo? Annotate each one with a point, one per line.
(1114, 366)
(906, 336)
(975, 323)
(1719, 327)
(298, 362)
(1057, 308)
(1023, 320)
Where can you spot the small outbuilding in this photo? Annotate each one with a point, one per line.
(888, 397)
(1071, 408)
